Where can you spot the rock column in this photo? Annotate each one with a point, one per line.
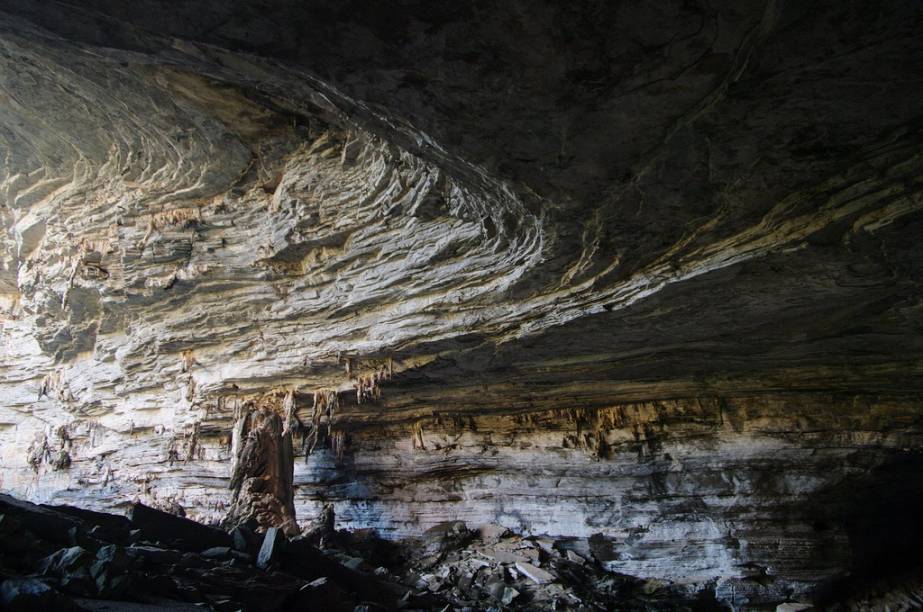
(261, 478)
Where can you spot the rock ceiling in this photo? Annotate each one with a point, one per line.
(650, 271)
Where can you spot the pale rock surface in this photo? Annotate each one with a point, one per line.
(652, 289)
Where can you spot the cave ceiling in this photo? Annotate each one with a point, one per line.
(683, 237)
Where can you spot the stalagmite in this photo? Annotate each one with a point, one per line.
(640, 281)
(262, 473)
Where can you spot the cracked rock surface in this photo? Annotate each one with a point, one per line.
(644, 278)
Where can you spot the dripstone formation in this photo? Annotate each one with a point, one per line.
(524, 305)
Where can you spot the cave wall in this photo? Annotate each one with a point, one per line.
(761, 498)
(654, 288)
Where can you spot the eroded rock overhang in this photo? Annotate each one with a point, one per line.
(702, 256)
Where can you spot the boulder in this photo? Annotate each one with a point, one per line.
(445, 536)
(113, 557)
(245, 540)
(46, 523)
(174, 531)
(491, 533)
(153, 555)
(16, 538)
(502, 592)
(33, 595)
(65, 560)
(107, 527)
(217, 552)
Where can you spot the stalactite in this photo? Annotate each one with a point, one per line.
(188, 360)
(51, 447)
(416, 436)
(190, 389)
(339, 441)
(55, 386)
(290, 421)
(326, 403)
(37, 451)
(192, 443)
(172, 453)
(368, 386)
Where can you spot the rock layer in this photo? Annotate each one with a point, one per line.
(643, 277)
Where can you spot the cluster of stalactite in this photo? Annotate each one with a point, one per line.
(55, 386)
(339, 443)
(368, 386)
(52, 448)
(326, 403)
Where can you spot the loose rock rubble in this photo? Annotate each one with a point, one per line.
(70, 559)
(647, 274)
(493, 568)
(63, 558)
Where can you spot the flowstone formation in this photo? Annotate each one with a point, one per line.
(641, 280)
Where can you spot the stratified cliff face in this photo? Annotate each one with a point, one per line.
(643, 278)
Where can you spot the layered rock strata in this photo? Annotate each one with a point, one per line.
(654, 288)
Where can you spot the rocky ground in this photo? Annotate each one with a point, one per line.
(641, 277)
(64, 558)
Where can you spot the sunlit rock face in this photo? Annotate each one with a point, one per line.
(646, 278)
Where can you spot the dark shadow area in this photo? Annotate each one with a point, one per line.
(881, 513)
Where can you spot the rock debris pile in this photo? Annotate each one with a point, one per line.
(65, 558)
(641, 277)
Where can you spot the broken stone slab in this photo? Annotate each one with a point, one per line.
(430, 582)
(271, 548)
(504, 557)
(353, 563)
(465, 581)
(174, 531)
(546, 544)
(110, 586)
(536, 574)
(72, 567)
